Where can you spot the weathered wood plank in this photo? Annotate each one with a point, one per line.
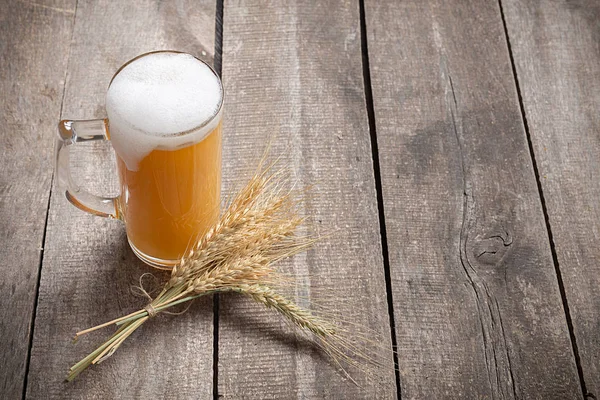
(293, 69)
(88, 267)
(33, 61)
(477, 306)
(557, 56)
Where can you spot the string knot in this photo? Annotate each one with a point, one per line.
(150, 310)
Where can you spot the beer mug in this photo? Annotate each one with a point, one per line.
(164, 123)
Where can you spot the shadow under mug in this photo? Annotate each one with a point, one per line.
(171, 198)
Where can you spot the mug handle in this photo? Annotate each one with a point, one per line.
(69, 133)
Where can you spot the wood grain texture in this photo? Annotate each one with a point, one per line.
(88, 267)
(34, 37)
(557, 57)
(293, 70)
(477, 305)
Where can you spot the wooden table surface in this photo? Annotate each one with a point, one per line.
(455, 148)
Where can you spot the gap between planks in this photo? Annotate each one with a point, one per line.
(39, 276)
(561, 286)
(218, 64)
(378, 187)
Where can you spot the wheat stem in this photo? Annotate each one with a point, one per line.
(114, 321)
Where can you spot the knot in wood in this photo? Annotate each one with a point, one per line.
(491, 248)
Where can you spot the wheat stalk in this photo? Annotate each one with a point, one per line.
(238, 254)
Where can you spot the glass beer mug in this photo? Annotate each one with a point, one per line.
(164, 123)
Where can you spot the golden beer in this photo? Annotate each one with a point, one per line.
(164, 113)
(172, 198)
(164, 122)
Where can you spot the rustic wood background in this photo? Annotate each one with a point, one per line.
(455, 148)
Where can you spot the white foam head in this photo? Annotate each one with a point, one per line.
(163, 101)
